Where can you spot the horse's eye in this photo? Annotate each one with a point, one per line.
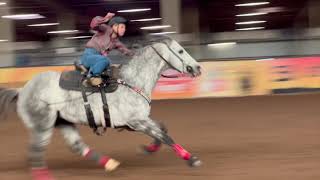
(181, 51)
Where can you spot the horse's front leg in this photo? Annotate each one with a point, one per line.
(153, 129)
(156, 144)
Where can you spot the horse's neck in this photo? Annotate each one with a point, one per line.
(144, 71)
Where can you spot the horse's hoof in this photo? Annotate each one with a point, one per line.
(194, 162)
(41, 174)
(111, 165)
(144, 150)
(149, 149)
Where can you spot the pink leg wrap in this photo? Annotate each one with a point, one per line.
(41, 174)
(153, 147)
(94, 156)
(181, 152)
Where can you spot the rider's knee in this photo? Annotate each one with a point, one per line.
(104, 61)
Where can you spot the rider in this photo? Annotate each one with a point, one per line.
(95, 57)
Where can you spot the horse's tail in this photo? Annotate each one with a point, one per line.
(8, 101)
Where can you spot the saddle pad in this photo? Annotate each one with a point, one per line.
(72, 80)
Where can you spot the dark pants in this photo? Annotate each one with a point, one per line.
(94, 61)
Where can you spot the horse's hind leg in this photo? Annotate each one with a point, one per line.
(40, 138)
(74, 141)
(153, 129)
(39, 119)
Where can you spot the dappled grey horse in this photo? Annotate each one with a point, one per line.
(42, 101)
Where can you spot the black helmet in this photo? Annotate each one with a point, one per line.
(117, 20)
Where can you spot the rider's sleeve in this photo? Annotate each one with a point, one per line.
(97, 24)
(122, 48)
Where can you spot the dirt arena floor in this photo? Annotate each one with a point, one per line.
(250, 138)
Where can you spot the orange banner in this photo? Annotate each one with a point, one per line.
(181, 87)
(231, 78)
(290, 75)
(219, 79)
(18, 75)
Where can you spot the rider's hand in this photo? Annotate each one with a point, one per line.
(109, 16)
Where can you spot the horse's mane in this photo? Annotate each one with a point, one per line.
(141, 56)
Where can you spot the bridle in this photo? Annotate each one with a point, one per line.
(181, 60)
(139, 91)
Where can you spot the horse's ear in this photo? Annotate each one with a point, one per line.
(167, 40)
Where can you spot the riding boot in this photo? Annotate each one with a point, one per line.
(92, 81)
(95, 81)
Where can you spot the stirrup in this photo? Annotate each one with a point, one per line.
(86, 82)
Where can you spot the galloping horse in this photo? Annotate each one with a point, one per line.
(42, 105)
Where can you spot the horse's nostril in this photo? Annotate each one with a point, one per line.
(189, 69)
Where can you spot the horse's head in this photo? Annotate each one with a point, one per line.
(177, 57)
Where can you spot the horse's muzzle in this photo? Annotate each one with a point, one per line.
(194, 71)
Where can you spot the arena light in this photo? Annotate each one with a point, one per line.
(78, 37)
(250, 22)
(266, 59)
(252, 4)
(163, 33)
(252, 14)
(23, 16)
(43, 24)
(144, 20)
(2, 3)
(134, 10)
(249, 29)
(222, 44)
(155, 27)
(63, 32)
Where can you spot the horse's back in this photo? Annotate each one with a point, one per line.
(41, 85)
